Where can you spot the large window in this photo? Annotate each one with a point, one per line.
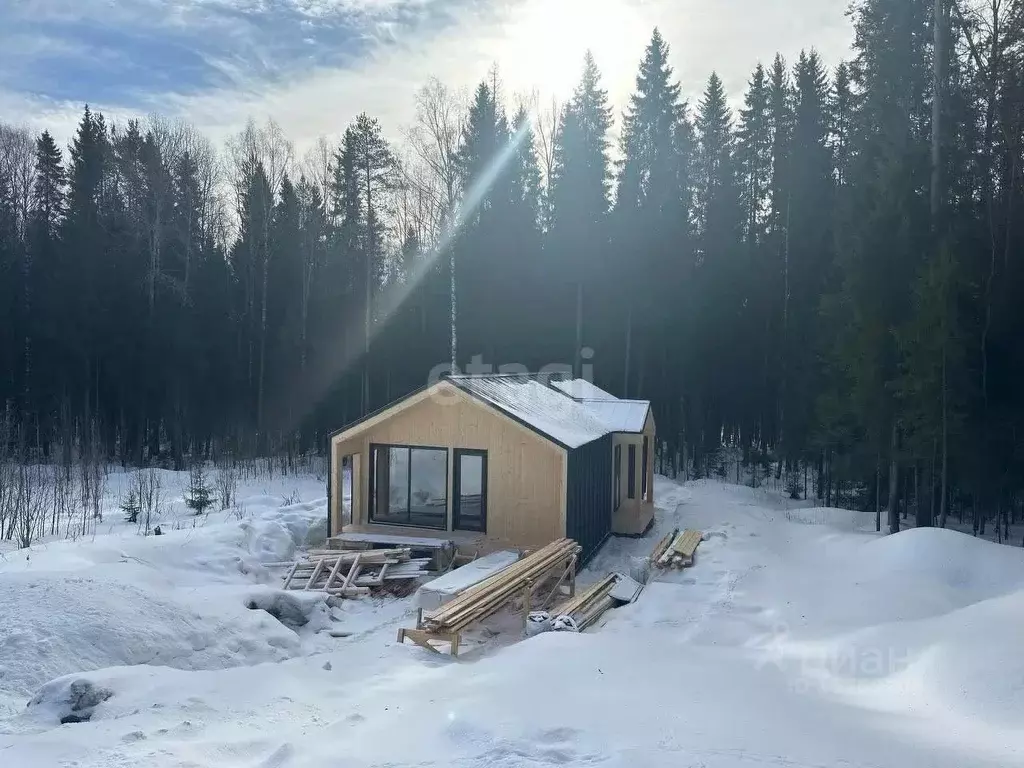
(409, 486)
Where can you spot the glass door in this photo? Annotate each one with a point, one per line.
(470, 490)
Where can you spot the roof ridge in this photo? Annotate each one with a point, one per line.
(529, 375)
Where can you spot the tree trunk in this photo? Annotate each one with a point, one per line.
(938, 61)
(945, 444)
(878, 492)
(577, 359)
(894, 480)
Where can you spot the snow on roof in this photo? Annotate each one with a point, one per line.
(581, 389)
(538, 406)
(620, 415)
(617, 415)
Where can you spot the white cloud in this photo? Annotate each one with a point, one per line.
(536, 43)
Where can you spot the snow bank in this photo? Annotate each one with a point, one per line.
(189, 599)
(787, 643)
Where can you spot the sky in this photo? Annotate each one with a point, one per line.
(313, 65)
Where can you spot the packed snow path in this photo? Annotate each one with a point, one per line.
(799, 639)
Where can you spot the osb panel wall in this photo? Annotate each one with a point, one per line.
(525, 472)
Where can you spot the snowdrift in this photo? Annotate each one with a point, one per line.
(190, 599)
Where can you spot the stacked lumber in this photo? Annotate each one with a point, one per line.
(352, 573)
(677, 550)
(587, 607)
(521, 579)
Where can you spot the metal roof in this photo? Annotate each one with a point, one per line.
(540, 407)
(620, 415)
(581, 389)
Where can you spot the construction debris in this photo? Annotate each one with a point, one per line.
(351, 574)
(521, 580)
(677, 550)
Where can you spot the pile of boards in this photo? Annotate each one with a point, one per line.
(677, 549)
(352, 573)
(523, 579)
(588, 606)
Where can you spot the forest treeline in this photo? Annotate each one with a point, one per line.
(827, 275)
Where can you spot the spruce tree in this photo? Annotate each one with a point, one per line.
(580, 189)
(650, 212)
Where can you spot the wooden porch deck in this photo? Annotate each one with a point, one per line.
(465, 542)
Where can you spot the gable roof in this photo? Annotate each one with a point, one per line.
(541, 408)
(540, 405)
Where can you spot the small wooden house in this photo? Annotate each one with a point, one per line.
(498, 461)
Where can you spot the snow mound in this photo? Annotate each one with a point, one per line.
(952, 559)
(55, 625)
(184, 600)
(295, 610)
(69, 699)
(278, 535)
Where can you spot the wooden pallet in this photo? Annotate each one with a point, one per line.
(351, 574)
(524, 580)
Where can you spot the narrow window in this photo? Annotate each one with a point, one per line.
(632, 471)
(618, 476)
(643, 468)
(470, 490)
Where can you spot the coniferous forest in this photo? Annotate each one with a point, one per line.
(822, 273)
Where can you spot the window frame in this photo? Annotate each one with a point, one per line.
(643, 480)
(457, 489)
(618, 475)
(631, 471)
(375, 448)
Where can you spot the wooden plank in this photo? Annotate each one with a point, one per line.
(410, 542)
(661, 546)
(333, 575)
(687, 544)
(316, 573)
(291, 575)
(352, 573)
(423, 637)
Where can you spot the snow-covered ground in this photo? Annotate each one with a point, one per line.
(800, 638)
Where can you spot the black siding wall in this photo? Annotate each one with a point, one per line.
(588, 510)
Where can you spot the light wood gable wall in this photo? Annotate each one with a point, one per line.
(526, 473)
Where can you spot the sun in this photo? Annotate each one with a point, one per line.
(544, 42)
